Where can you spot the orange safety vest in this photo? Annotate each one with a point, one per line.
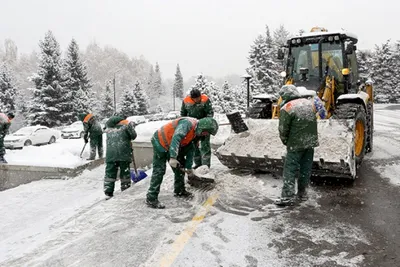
(87, 118)
(166, 133)
(189, 100)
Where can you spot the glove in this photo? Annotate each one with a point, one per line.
(86, 138)
(174, 163)
(190, 173)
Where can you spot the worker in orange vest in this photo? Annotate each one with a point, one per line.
(175, 143)
(5, 122)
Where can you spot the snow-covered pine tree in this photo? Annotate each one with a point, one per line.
(263, 67)
(178, 83)
(77, 84)
(107, 108)
(159, 109)
(157, 88)
(281, 35)
(49, 101)
(128, 104)
(141, 99)
(383, 73)
(227, 98)
(201, 84)
(8, 92)
(364, 59)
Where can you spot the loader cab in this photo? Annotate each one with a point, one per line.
(314, 56)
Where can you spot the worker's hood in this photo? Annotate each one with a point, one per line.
(288, 93)
(81, 116)
(113, 121)
(207, 124)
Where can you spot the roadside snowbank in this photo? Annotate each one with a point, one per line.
(64, 153)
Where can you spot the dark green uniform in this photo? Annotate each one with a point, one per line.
(184, 154)
(181, 135)
(93, 132)
(202, 154)
(298, 132)
(4, 126)
(120, 133)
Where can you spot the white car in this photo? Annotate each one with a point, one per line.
(173, 115)
(75, 130)
(136, 119)
(31, 135)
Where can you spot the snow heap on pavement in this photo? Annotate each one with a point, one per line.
(262, 139)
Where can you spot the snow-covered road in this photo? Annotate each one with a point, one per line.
(67, 222)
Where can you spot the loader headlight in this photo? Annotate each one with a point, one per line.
(330, 38)
(345, 71)
(298, 41)
(293, 41)
(337, 38)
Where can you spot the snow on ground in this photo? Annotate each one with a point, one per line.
(386, 153)
(64, 153)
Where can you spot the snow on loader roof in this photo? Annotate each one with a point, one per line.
(260, 148)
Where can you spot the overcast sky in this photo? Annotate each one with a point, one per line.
(209, 36)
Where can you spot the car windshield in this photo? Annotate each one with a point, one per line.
(306, 58)
(25, 131)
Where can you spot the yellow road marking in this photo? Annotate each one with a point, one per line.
(184, 237)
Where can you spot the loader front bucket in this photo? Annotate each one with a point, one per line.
(260, 148)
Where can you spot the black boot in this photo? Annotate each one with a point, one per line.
(3, 160)
(109, 195)
(184, 194)
(155, 204)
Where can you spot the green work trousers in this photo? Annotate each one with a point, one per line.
(2, 148)
(160, 160)
(202, 154)
(96, 143)
(297, 162)
(111, 175)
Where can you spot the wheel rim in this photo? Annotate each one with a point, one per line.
(359, 138)
(52, 139)
(27, 143)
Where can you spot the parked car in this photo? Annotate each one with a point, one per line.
(173, 115)
(157, 117)
(137, 119)
(75, 130)
(31, 135)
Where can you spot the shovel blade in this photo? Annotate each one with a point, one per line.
(136, 177)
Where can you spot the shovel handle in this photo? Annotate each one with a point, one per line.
(83, 149)
(133, 160)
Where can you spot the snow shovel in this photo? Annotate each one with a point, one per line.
(136, 175)
(83, 149)
(196, 178)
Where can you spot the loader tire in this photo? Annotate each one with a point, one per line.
(356, 112)
(370, 127)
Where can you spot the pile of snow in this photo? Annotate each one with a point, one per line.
(65, 153)
(262, 139)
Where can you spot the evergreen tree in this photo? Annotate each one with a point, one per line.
(178, 84)
(281, 35)
(128, 104)
(107, 108)
(142, 100)
(157, 89)
(383, 73)
(201, 84)
(159, 109)
(364, 60)
(49, 103)
(8, 92)
(77, 85)
(263, 67)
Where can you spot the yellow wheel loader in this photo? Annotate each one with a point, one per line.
(319, 63)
